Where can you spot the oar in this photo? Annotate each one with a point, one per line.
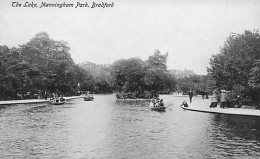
(169, 108)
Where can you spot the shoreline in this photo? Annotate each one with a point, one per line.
(142, 99)
(204, 108)
(32, 101)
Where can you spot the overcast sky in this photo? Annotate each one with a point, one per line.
(190, 31)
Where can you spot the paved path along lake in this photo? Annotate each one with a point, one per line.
(106, 128)
(203, 106)
(33, 101)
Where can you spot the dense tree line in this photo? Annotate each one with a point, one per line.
(102, 81)
(40, 65)
(237, 66)
(135, 78)
(45, 65)
(199, 84)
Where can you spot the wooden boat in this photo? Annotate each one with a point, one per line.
(157, 108)
(161, 108)
(88, 98)
(58, 101)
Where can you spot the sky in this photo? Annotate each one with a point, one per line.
(190, 31)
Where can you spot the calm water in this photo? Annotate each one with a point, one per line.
(105, 128)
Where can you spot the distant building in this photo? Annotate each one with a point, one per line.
(96, 69)
(93, 67)
(182, 73)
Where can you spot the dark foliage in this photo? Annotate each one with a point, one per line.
(237, 66)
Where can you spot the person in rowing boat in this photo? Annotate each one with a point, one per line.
(185, 104)
(157, 103)
(153, 101)
(161, 103)
(61, 98)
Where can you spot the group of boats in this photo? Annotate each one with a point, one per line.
(158, 105)
(61, 100)
(155, 104)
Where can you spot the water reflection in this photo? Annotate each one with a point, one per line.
(235, 136)
(106, 128)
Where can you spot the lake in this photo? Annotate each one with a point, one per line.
(107, 128)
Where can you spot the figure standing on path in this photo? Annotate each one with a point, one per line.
(239, 101)
(207, 95)
(190, 95)
(203, 95)
(223, 99)
(45, 95)
(228, 99)
(214, 100)
(161, 103)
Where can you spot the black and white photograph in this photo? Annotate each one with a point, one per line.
(129, 79)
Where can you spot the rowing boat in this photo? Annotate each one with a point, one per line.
(58, 101)
(88, 98)
(156, 107)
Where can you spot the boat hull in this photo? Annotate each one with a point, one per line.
(57, 103)
(88, 98)
(162, 108)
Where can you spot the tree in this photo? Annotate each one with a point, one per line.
(163, 81)
(5, 82)
(80, 80)
(158, 61)
(127, 74)
(143, 79)
(51, 61)
(236, 67)
(40, 64)
(101, 76)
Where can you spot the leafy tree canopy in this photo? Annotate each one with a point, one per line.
(142, 79)
(236, 67)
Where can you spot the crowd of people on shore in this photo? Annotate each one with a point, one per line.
(225, 99)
